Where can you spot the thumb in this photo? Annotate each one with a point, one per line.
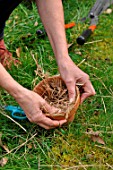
(84, 96)
(50, 109)
(71, 91)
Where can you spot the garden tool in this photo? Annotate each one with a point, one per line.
(16, 112)
(42, 33)
(97, 9)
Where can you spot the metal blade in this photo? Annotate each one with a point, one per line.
(97, 9)
(107, 4)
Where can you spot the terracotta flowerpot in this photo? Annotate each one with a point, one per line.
(54, 91)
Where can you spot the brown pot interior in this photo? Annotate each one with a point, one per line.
(54, 91)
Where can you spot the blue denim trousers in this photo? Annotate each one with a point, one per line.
(6, 8)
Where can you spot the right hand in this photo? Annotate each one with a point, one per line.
(32, 103)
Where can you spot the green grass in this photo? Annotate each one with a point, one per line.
(68, 147)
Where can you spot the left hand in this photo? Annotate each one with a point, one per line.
(71, 75)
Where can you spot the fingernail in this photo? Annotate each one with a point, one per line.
(59, 110)
(71, 100)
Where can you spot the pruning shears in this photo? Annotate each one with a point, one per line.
(97, 9)
(42, 33)
(93, 15)
(16, 112)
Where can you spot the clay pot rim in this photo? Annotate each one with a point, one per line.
(76, 103)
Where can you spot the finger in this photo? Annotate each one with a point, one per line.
(84, 96)
(43, 126)
(62, 122)
(88, 91)
(71, 90)
(50, 109)
(53, 123)
(48, 123)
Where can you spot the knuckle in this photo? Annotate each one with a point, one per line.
(68, 81)
(71, 93)
(35, 118)
(93, 93)
(86, 76)
(32, 120)
(47, 128)
(43, 102)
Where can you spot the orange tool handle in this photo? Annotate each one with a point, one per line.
(92, 27)
(85, 35)
(70, 25)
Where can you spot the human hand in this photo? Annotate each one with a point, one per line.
(72, 75)
(32, 105)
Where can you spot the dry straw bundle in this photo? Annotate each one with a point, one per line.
(54, 91)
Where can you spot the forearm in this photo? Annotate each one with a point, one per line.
(51, 13)
(9, 84)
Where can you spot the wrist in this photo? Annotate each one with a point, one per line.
(62, 58)
(9, 84)
(15, 89)
(63, 61)
(18, 92)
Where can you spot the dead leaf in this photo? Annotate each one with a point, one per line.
(21, 141)
(6, 148)
(69, 45)
(108, 11)
(9, 21)
(51, 58)
(18, 50)
(95, 136)
(78, 52)
(3, 146)
(89, 156)
(96, 112)
(3, 161)
(1, 139)
(36, 23)
(16, 17)
(30, 146)
(91, 132)
(98, 139)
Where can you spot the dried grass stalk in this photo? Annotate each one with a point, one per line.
(54, 91)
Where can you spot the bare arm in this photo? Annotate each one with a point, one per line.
(51, 13)
(29, 101)
(8, 83)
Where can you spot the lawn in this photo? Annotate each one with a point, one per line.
(87, 142)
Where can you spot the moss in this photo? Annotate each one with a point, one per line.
(71, 150)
